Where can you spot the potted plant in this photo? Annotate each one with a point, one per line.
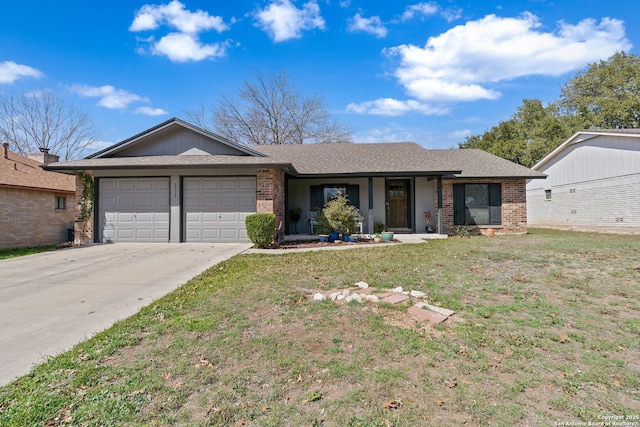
(387, 236)
(294, 217)
(340, 217)
(428, 216)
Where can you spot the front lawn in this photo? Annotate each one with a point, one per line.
(17, 252)
(546, 331)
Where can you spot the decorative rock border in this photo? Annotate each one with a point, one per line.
(361, 293)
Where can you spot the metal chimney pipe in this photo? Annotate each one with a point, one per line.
(5, 150)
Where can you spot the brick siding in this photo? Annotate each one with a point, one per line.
(29, 218)
(270, 194)
(514, 205)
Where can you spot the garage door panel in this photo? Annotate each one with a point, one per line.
(222, 205)
(125, 184)
(246, 184)
(134, 209)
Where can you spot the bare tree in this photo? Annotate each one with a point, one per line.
(43, 120)
(271, 111)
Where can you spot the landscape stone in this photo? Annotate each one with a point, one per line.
(362, 285)
(395, 298)
(346, 292)
(334, 295)
(354, 297)
(397, 290)
(417, 294)
(371, 298)
(430, 316)
(436, 309)
(319, 296)
(340, 297)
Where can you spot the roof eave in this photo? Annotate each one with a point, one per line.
(71, 170)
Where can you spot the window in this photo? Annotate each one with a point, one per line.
(61, 203)
(322, 194)
(547, 194)
(477, 204)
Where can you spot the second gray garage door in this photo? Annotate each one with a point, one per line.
(215, 208)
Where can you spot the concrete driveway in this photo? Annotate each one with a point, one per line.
(51, 301)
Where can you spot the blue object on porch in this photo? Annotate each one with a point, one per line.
(333, 236)
(324, 238)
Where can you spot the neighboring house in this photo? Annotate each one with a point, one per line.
(36, 207)
(176, 182)
(593, 183)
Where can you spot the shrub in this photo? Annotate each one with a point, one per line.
(340, 216)
(260, 228)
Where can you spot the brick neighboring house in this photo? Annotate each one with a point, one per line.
(36, 206)
(177, 182)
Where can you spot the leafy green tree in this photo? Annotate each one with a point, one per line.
(526, 137)
(606, 95)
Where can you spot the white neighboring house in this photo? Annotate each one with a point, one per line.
(593, 183)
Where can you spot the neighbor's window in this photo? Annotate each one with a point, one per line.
(547, 194)
(477, 204)
(61, 203)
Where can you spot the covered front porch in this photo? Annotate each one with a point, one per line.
(397, 203)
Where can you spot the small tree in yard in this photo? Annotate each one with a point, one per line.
(340, 216)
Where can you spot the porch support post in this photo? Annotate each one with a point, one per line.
(370, 222)
(439, 205)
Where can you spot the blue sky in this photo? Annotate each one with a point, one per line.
(430, 72)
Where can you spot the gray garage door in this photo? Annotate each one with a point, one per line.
(215, 208)
(134, 209)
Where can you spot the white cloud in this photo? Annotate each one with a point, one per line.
(283, 21)
(150, 111)
(110, 97)
(10, 72)
(174, 15)
(183, 45)
(457, 64)
(394, 107)
(451, 14)
(424, 8)
(179, 47)
(371, 25)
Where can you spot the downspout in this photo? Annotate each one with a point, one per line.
(439, 205)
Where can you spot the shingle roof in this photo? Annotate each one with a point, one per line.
(400, 158)
(21, 172)
(394, 158)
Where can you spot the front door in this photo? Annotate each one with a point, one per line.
(398, 203)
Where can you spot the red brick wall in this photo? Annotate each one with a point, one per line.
(514, 205)
(270, 194)
(29, 218)
(83, 229)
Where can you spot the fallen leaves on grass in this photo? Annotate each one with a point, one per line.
(393, 404)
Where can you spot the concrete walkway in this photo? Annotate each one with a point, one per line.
(51, 301)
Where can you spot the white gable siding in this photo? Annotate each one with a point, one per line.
(594, 184)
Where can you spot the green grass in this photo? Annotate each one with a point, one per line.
(17, 252)
(545, 331)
